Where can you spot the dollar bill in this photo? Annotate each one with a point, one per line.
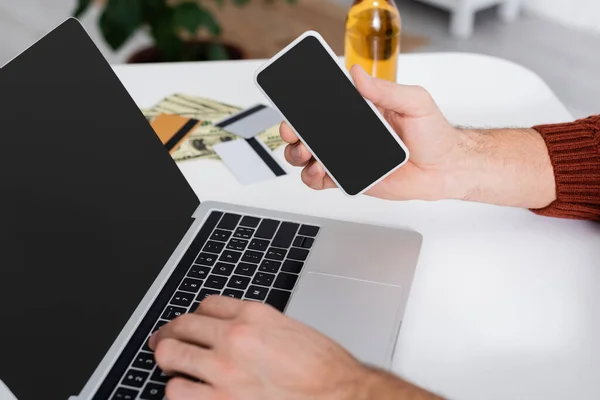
(199, 143)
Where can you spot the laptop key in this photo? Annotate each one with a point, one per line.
(244, 233)
(153, 391)
(307, 243)
(304, 242)
(264, 279)
(267, 229)
(125, 394)
(230, 256)
(298, 254)
(144, 361)
(229, 221)
(206, 259)
(285, 235)
(249, 221)
(292, 266)
(204, 293)
(199, 272)
(308, 230)
(213, 247)
(135, 378)
(172, 312)
(221, 235)
(278, 299)
(238, 282)
(285, 281)
(146, 347)
(234, 294)
(271, 266)
(182, 299)
(257, 292)
(259, 244)
(276, 254)
(159, 325)
(252, 256)
(237, 244)
(190, 285)
(245, 269)
(223, 269)
(194, 306)
(159, 376)
(215, 282)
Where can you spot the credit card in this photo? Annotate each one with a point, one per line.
(251, 121)
(173, 129)
(249, 160)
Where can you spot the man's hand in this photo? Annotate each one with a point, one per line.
(246, 350)
(413, 114)
(250, 351)
(505, 167)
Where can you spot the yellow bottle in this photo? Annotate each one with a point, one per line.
(372, 39)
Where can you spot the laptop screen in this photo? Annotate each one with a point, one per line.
(91, 207)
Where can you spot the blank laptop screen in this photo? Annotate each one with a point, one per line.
(91, 207)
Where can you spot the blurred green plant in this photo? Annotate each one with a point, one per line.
(167, 22)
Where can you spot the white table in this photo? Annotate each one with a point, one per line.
(505, 304)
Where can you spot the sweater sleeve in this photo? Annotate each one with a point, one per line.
(574, 150)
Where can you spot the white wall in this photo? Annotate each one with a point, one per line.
(579, 14)
(22, 22)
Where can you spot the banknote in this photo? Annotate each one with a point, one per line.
(199, 143)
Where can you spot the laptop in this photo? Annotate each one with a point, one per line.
(103, 241)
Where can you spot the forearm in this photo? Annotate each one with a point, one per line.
(383, 386)
(509, 167)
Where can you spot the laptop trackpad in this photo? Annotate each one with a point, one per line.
(361, 316)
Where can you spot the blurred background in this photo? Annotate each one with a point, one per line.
(557, 39)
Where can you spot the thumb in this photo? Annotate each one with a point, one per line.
(413, 101)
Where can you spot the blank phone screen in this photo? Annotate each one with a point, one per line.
(334, 120)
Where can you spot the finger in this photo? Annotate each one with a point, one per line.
(175, 357)
(407, 100)
(287, 133)
(184, 389)
(192, 328)
(297, 154)
(314, 176)
(221, 307)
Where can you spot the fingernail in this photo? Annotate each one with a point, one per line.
(313, 170)
(364, 72)
(152, 341)
(297, 152)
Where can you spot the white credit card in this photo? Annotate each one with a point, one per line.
(249, 160)
(5, 394)
(251, 121)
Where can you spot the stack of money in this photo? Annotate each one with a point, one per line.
(199, 143)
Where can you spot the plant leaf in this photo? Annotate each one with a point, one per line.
(165, 36)
(153, 9)
(216, 51)
(191, 16)
(240, 2)
(212, 24)
(82, 6)
(119, 21)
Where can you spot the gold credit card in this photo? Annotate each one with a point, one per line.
(172, 130)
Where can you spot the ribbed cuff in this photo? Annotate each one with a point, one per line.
(574, 150)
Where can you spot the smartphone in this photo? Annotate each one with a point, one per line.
(343, 131)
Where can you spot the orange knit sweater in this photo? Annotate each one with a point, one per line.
(574, 150)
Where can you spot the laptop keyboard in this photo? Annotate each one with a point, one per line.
(243, 257)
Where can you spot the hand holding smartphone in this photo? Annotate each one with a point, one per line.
(342, 130)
